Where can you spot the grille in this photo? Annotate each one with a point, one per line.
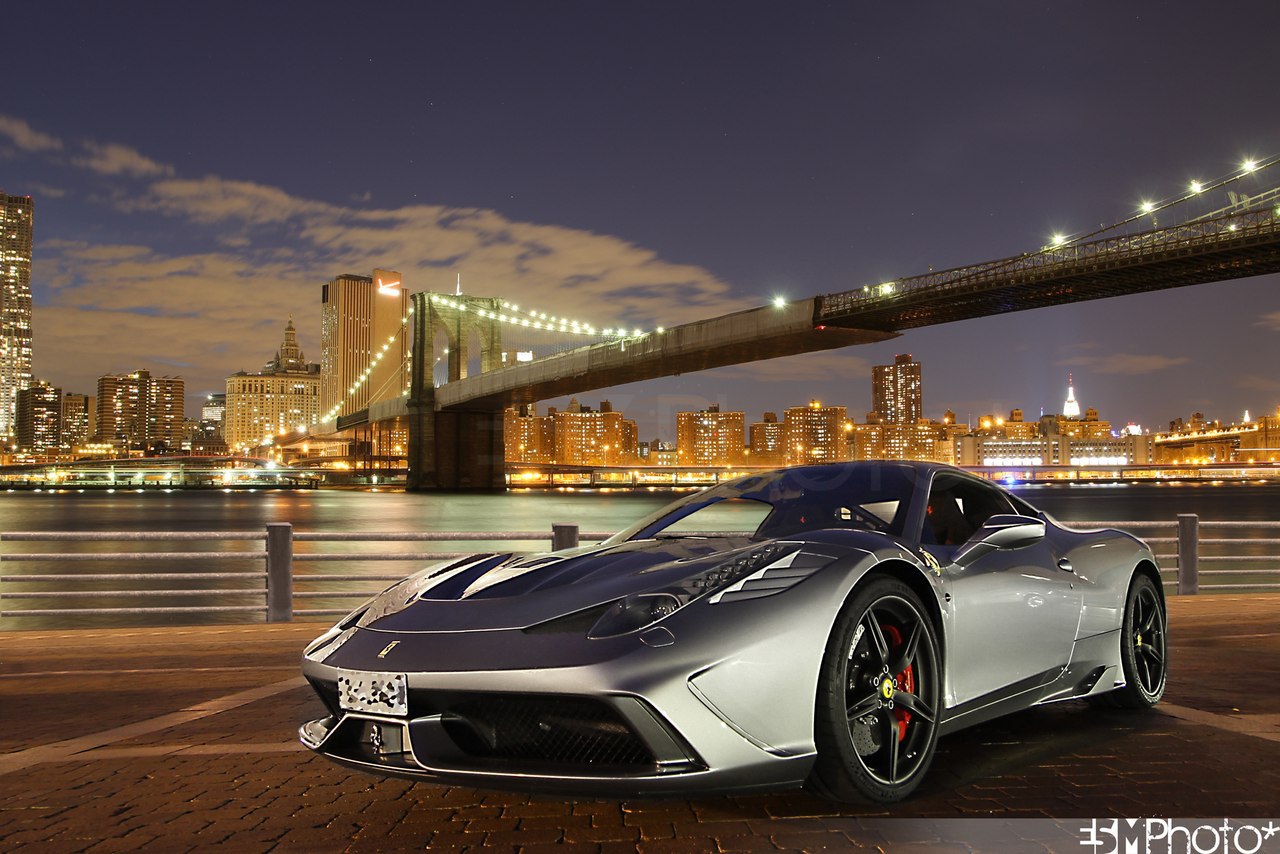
(555, 731)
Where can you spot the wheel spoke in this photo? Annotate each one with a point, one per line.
(907, 651)
(863, 707)
(1152, 652)
(891, 744)
(877, 636)
(1148, 620)
(1144, 673)
(914, 704)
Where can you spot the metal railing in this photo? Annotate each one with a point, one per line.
(1185, 557)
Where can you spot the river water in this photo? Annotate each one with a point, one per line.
(369, 511)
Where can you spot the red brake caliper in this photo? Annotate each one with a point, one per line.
(906, 679)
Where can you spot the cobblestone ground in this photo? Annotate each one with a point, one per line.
(183, 738)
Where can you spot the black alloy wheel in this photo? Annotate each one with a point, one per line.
(879, 697)
(1144, 652)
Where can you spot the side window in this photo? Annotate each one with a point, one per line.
(958, 507)
(980, 501)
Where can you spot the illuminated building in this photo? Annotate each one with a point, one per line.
(768, 441)
(1201, 442)
(364, 347)
(710, 437)
(897, 393)
(38, 421)
(79, 420)
(881, 441)
(214, 408)
(138, 410)
(815, 434)
(280, 399)
(1058, 450)
(589, 438)
(1070, 408)
(15, 305)
(527, 436)
(1016, 428)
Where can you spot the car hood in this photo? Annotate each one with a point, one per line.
(504, 591)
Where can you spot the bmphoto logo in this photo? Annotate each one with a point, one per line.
(1169, 836)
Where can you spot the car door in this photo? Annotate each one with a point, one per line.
(1013, 612)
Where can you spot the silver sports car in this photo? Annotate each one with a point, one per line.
(819, 625)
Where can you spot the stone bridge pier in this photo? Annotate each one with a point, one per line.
(456, 448)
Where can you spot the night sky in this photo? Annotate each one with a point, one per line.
(200, 170)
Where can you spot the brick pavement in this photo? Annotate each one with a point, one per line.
(181, 739)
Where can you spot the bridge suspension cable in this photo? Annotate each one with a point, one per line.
(1238, 204)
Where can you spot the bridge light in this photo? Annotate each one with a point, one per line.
(779, 302)
(637, 331)
(1058, 240)
(1249, 165)
(1148, 207)
(1196, 186)
(660, 330)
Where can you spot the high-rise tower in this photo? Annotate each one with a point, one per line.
(15, 306)
(364, 345)
(1070, 408)
(897, 393)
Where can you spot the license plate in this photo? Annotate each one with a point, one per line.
(381, 693)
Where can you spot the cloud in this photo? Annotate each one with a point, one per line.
(1130, 364)
(1271, 321)
(113, 159)
(609, 280)
(46, 192)
(213, 200)
(254, 254)
(27, 138)
(1258, 382)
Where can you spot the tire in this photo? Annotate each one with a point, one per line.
(1144, 653)
(879, 697)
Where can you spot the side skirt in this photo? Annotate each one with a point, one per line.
(1011, 698)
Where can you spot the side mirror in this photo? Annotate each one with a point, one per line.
(1000, 532)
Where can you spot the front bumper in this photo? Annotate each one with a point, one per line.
(592, 737)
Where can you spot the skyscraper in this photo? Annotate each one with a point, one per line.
(364, 345)
(710, 437)
(897, 394)
(15, 306)
(279, 399)
(139, 410)
(815, 433)
(79, 419)
(38, 419)
(1070, 408)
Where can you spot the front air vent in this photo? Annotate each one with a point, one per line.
(774, 579)
(532, 731)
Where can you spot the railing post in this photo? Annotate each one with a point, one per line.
(1188, 554)
(279, 572)
(564, 537)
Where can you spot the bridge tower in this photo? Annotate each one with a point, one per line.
(453, 449)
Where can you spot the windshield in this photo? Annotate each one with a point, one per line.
(782, 503)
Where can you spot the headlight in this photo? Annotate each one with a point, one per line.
(637, 611)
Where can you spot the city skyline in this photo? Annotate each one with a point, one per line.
(601, 178)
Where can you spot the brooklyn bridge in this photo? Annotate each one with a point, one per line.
(454, 417)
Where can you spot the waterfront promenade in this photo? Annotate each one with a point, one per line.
(172, 739)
